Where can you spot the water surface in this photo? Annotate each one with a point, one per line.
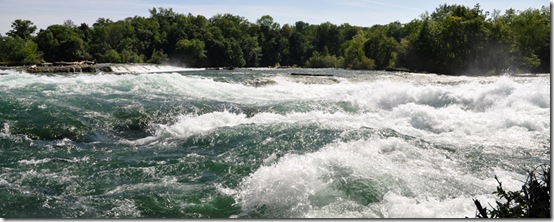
(264, 144)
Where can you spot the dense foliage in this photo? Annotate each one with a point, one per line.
(453, 39)
(533, 201)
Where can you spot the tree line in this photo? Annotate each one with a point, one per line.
(453, 39)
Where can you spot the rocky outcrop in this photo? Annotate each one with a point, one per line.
(78, 68)
(69, 67)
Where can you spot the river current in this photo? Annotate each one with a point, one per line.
(261, 143)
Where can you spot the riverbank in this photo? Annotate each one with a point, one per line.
(133, 68)
(87, 67)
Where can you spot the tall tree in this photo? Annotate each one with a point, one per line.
(18, 51)
(354, 55)
(531, 30)
(191, 52)
(300, 46)
(328, 39)
(22, 29)
(147, 34)
(381, 49)
(269, 37)
(60, 43)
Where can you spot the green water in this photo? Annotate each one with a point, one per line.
(264, 144)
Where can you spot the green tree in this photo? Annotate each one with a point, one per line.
(84, 32)
(172, 27)
(347, 32)
(98, 45)
(222, 52)
(498, 55)
(461, 38)
(270, 39)
(396, 30)
(130, 56)
(422, 50)
(158, 57)
(60, 43)
(381, 49)
(119, 36)
(328, 39)
(252, 51)
(284, 46)
(191, 52)
(110, 56)
(22, 29)
(324, 61)
(353, 53)
(531, 30)
(235, 29)
(17, 51)
(300, 46)
(147, 34)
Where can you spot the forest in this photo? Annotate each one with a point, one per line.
(453, 39)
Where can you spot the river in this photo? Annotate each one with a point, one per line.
(260, 143)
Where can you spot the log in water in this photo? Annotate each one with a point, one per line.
(310, 74)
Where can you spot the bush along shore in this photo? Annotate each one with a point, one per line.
(532, 201)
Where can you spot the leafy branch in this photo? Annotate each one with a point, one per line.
(532, 201)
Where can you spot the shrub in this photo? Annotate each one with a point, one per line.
(158, 57)
(323, 61)
(533, 201)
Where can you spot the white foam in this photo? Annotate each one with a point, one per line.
(47, 160)
(148, 68)
(413, 182)
(164, 182)
(124, 208)
(191, 124)
(5, 129)
(383, 92)
(503, 111)
(34, 162)
(397, 206)
(450, 125)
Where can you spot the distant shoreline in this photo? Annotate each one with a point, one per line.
(451, 40)
(138, 68)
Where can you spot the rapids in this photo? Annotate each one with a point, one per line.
(260, 143)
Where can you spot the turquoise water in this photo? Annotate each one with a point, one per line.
(264, 144)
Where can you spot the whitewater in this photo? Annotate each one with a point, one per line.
(261, 143)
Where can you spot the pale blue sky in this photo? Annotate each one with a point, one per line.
(356, 12)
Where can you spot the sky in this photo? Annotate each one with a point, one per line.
(44, 13)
